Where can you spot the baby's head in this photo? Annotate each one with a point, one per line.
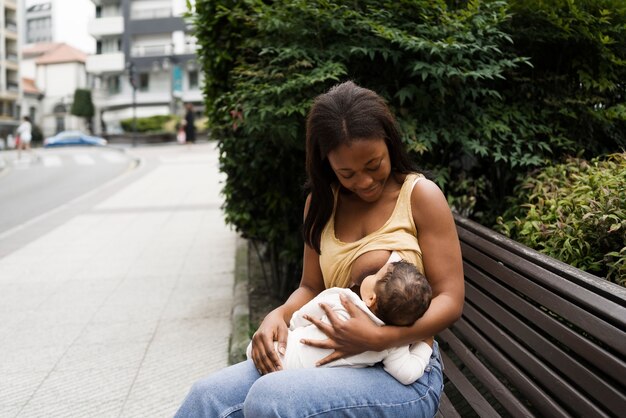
(398, 294)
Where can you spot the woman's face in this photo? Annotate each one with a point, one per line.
(362, 167)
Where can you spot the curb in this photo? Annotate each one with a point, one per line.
(240, 315)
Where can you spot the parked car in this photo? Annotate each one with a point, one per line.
(73, 138)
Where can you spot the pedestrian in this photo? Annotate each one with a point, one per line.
(365, 199)
(190, 126)
(24, 133)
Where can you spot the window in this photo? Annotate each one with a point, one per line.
(32, 114)
(113, 84)
(193, 79)
(98, 47)
(38, 29)
(144, 82)
(60, 123)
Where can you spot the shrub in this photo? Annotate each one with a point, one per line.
(150, 124)
(575, 212)
(83, 106)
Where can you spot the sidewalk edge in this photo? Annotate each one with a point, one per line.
(240, 317)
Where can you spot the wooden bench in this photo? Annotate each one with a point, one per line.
(537, 336)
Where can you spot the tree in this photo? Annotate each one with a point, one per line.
(83, 106)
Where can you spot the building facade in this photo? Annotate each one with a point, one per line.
(146, 42)
(10, 89)
(58, 21)
(52, 71)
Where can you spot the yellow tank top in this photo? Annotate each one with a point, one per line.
(397, 234)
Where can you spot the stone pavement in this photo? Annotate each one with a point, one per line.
(112, 305)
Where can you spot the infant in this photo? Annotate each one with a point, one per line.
(398, 294)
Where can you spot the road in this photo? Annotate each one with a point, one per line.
(34, 185)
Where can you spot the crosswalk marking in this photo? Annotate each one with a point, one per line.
(46, 160)
(51, 161)
(84, 159)
(113, 157)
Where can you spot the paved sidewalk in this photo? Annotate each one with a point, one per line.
(113, 305)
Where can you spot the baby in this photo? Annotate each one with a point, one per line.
(398, 294)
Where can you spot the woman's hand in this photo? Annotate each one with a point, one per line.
(273, 328)
(353, 336)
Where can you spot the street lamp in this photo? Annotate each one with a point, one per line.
(132, 79)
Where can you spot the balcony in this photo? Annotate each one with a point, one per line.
(10, 26)
(152, 50)
(105, 26)
(12, 86)
(147, 14)
(106, 63)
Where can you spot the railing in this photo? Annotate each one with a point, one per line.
(151, 50)
(13, 86)
(12, 26)
(151, 13)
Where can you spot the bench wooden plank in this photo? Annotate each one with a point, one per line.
(612, 311)
(533, 392)
(604, 288)
(486, 377)
(591, 321)
(471, 394)
(446, 409)
(572, 369)
(537, 336)
(609, 363)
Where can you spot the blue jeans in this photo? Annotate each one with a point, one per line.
(239, 391)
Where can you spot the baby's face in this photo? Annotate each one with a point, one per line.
(368, 284)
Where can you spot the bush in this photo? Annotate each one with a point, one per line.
(484, 92)
(575, 212)
(150, 124)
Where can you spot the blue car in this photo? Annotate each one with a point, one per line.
(73, 138)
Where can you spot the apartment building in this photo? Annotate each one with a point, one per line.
(9, 66)
(63, 21)
(149, 40)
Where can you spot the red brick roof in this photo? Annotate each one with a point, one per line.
(54, 53)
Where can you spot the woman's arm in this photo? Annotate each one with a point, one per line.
(275, 325)
(441, 256)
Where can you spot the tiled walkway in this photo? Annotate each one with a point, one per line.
(115, 309)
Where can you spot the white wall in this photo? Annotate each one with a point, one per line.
(59, 81)
(69, 22)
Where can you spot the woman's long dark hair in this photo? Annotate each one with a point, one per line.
(344, 114)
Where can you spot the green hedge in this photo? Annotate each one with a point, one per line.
(575, 212)
(484, 92)
(149, 124)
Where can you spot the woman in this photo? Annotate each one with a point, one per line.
(365, 200)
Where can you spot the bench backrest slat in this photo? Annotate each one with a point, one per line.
(548, 325)
(581, 306)
(501, 392)
(446, 410)
(541, 373)
(478, 403)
